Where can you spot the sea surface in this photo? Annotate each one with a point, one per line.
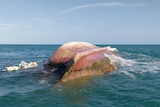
(135, 84)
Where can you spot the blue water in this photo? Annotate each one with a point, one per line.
(135, 84)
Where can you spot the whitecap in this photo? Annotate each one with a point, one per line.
(153, 67)
(43, 81)
(118, 61)
(112, 49)
(128, 73)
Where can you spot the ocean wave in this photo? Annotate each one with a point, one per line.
(140, 64)
(148, 63)
(127, 73)
(119, 61)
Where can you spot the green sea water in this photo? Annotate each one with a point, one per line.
(134, 84)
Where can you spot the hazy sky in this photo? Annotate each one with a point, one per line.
(95, 21)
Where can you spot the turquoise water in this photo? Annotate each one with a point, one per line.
(135, 84)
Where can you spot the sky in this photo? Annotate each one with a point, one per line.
(94, 21)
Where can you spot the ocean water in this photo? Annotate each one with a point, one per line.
(135, 84)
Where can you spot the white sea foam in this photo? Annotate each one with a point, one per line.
(146, 63)
(148, 66)
(118, 61)
(125, 64)
(141, 65)
(112, 49)
(128, 73)
(43, 81)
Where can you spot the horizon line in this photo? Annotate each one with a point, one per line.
(91, 43)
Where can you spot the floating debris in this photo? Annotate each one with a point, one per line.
(22, 65)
